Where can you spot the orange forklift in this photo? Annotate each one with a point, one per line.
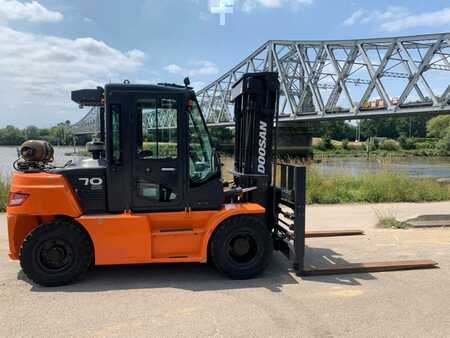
(153, 192)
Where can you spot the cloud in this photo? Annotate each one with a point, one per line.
(355, 17)
(13, 10)
(396, 18)
(204, 68)
(249, 5)
(201, 68)
(173, 69)
(43, 69)
(430, 19)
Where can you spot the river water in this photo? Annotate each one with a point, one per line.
(415, 166)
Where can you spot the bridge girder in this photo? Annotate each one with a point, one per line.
(89, 124)
(338, 79)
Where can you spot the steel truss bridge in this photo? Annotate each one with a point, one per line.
(338, 79)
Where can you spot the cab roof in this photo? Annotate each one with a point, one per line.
(94, 97)
(160, 87)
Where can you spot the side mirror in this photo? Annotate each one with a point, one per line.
(187, 82)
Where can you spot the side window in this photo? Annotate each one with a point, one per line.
(116, 144)
(201, 156)
(157, 129)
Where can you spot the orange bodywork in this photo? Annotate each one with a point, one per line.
(49, 195)
(127, 238)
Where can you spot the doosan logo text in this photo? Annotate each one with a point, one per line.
(262, 147)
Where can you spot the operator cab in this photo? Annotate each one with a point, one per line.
(157, 153)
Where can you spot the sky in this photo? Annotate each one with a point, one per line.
(50, 47)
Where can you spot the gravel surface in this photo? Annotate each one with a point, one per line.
(194, 300)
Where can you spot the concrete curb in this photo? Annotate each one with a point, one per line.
(429, 221)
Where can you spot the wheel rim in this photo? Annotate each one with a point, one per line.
(55, 255)
(242, 248)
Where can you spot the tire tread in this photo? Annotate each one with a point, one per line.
(228, 226)
(45, 228)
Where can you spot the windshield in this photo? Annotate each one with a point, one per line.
(201, 155)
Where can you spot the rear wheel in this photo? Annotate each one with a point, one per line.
(56, 253)
(241, 247)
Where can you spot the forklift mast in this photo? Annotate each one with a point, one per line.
(255, 104)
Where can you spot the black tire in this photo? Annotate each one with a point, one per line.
(241, 247)
(56, 253)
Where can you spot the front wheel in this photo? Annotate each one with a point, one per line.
(56, 253)
(241, 247)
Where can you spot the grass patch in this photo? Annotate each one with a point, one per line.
(372, 188)
(4, 190)
(391, 222)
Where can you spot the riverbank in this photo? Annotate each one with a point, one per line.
(380, 153)
(332, 181)
(341, 188)
(381, 147)
(338, 188)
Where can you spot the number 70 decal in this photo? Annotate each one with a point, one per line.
(91, 181)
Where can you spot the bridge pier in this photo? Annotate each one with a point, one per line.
(295, 140)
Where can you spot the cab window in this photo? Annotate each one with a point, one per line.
(157, 129)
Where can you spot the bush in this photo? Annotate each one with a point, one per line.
(392, 222)
(358, 146)
(370, 145)
(376, 143)
(345, 144)
(438, 125)
(4, 190)
(389, 145)
(430, 144)
(406, 143)
(325, 144)
(444, 143)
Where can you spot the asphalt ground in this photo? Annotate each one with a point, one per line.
(193, 300)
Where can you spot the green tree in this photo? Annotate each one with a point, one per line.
(11, 135)
(31, 133)
(394, 127)
(337, 130)
(444, 142)
(61, 134)
(438, 126)
(44, 134)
